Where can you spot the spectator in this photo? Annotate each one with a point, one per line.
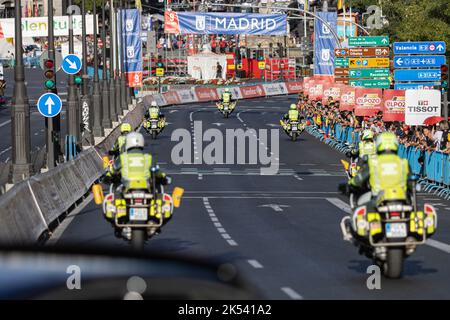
(218, 71)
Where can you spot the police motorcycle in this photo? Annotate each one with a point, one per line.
(391, 231)
(226, 107)
(137, 214)
(293, 128)
(154, 123)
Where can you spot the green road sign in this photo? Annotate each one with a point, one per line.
(369, 73)
(370, 83)
(341, 62)
(378, 41)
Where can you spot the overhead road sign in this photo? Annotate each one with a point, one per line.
(417, 74)
(416, 86)
(369, 73)
(368, 62)
(71, 64)
(362, 52)
(376, 41)
(418, 61)
(341, 62)
(341, 72)
(49, 105)
(370, 83)
(423, 47)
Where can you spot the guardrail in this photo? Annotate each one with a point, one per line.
(432, 167)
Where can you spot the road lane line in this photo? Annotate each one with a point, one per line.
(298, 177)
(6, 150)
(291, 293)
(220, 229)
(430, 242)
(5, 123)
(232, 243)
(255, 264)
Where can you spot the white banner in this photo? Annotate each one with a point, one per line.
(420, 105)
(235, 92)
(159, 98)
(273, 89)
(186, 96)
(38, 26)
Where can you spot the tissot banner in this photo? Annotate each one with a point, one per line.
(324, 44)
(132, 51)
(224, 23)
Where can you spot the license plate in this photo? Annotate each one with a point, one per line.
(396, 230)
(138, 214)
(294, 128)
(225, 108)
(153, 126)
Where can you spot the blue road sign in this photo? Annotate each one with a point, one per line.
(49, 105)
(417, 75)
(418, 61)
(416, 86)
(424, 47)
(71, 64)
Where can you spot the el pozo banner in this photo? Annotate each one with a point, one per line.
(224, 23)
(38, 26)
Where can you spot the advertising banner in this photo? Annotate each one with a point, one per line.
(172, 97)
(420, 105)
(38, 26)
(206, 94)
(132, 51)
(272, 89)
(253, 91)
(347, 100)
(316, 90)
(294, 87)
(186, 96)
(324, 44)
(224, 23)
(159, 99)
(368, 102)
(394, 105)
(235, 92)
(332, 90)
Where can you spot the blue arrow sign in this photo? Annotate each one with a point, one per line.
(71, 64)
(418, 61)
(49, 105)
(415, 86)
(417, 75)
(424, 47)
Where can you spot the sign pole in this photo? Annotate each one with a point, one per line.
(118, 67)
(123, 53)
(106, 121)
(112, 100)
(86, 106)
(97, 128)
(20, 113)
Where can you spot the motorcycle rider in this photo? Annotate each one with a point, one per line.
(125, 128)
(154, 113)
(366, 147)
(383, 177)
(293, 115)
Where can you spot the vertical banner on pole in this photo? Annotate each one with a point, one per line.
(132, 47)
(324, 44)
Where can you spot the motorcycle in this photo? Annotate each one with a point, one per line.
(293, 129)
(153, 127)
(138, 214)
(226, 108)
(390, 232)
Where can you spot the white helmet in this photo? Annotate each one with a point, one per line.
(153, 104)
(134, 140)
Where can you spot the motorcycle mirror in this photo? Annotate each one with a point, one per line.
(105, 162)
(176, 196)
(97, 190)
(346, 164)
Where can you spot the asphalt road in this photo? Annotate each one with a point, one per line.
(35, 87)
(282, 230)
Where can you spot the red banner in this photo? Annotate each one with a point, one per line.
(172, 97)
(394, 105)
(369, 101)
(206, 94)
(294, 87)
(316, 90)
(252, 91)
(347, 98)
(332, 90)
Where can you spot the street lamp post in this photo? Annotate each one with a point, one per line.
(20, 113)
(112, 100)
(118, 68)
(72, 94)
(86, 105)
(97, 128)
(106, 122)
(123, 51)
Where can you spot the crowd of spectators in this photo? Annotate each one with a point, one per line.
(426, 138)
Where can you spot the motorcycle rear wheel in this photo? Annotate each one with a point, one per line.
(138, 238)
(393, 266)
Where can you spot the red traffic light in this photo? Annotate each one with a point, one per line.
(444, 72)
(48, 64)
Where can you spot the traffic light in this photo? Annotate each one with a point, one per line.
(159, 64)
(49, 74)
(260, 55)
(444, 77)
(78, 78)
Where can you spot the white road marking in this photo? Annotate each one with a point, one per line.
(255, 264)
(232, 243)
(6, 150)
(220, 229)
(430, 242)
(200, 176)
(291, 293)
(298, 177)
(5, 123)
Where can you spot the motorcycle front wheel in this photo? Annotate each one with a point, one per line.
(393, 267)
(138, 238)
(154, 135)
(294, 137)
